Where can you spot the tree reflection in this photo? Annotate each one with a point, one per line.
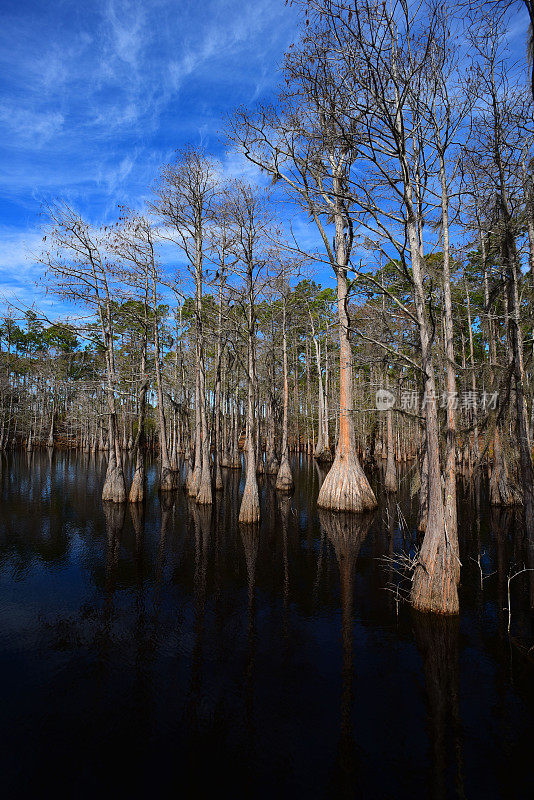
(250, 537)
(437, 640)
(166, 502)
(284, 510)
(114, 515)
(501, 521)
(137, 515)
(346, 532)
(201, 518)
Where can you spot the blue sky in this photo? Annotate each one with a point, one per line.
(95, 96)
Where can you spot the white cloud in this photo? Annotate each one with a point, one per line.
(21, 282)
(96, 96)
(18, 251)
(34, 128)
(126, 22)
(235, 165)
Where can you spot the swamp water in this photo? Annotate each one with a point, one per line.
(169, 652)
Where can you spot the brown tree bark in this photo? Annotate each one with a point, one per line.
(284, 479)
(346, 487)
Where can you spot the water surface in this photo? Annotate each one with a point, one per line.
(169, 650)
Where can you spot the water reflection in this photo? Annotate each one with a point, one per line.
(201, 519)
(115, 515)
(270, 660)
(284, 510)
(250, 538)
(346, 532)
(437, 641)
(501, 520)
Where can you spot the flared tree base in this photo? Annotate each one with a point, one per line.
(323, 455)
(249, 513)
(166, 480)
(502, 491)
(137, 489)
(422, 520)
(193, 484)
(114, 490)
(346, 487)
(272, 465)
(434, 584)
(204, 496)
(284, 479)
(390, 481)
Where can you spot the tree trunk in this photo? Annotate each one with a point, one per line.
(203, 493)
(284, 479)
(390, 481)
(166, 480)
(346, 487)
(451, 527)
(322, 449)
(249, 512)
(434, 586)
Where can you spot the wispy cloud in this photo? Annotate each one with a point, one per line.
(87, 85)
(19, 270)
(95, 96)
(31, 128)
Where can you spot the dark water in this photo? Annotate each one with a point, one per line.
(173, 652)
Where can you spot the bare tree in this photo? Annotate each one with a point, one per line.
(303, 148)
(185, 195)
(77, 268)
(372, 62)
(249, 221)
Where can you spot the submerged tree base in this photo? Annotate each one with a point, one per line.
(434, 587)
(323, 455)
(204, 495)
(271, 465)
(502, 492)
(114, 489)
(166, 481)
(193, 482)
(137, 489)
(284, 479)
(249, 513)
(231, 463)
(346, 487)
(390, 481)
